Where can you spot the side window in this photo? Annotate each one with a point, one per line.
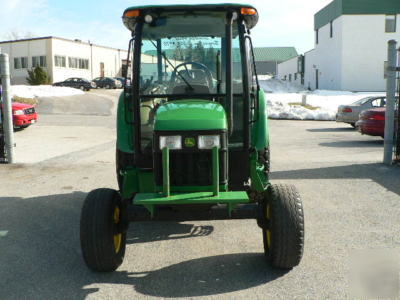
(376, 102)
(251, 66)
(237, 66)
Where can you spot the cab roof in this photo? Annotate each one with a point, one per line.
(251, 20)
(221, 6)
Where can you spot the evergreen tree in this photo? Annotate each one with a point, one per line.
(37, 76)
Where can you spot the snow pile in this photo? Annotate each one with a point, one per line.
(35, 91)
(280, 86)
(280, 110)
(282, 95)
(264, 77)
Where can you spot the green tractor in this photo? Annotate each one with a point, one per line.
(192, 135)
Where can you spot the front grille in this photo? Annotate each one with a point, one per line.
(29, 111)
(191, 167)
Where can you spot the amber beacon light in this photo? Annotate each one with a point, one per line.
(132, 13)
(248, 11)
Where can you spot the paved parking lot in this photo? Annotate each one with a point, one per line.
(352, 202)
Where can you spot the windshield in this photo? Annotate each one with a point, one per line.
(362, 101)
(184, 54)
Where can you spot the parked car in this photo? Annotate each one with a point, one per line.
(78, 83)
(372, 122)
(124, 81)
(350, 113)
(107, 82)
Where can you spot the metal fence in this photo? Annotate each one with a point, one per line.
(397, 115)
(2, 137)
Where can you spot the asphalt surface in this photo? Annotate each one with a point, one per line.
(351, 202)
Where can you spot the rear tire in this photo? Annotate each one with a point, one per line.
(282, 221)
(103, 238)
(353, 125)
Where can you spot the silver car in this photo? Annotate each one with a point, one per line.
(349, 113)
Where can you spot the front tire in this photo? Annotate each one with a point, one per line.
(282, 221)
(103, 238)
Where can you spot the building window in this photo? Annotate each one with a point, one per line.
(20, 62)
(284, 78)
(390, 25)
(72, 62)
(316, 37)
(39, 61)
(60, 61)
(78, 63)
(83, 63)
(331, 29)
(290, 77)
(295, 76)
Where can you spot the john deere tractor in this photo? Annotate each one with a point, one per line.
(192, 135)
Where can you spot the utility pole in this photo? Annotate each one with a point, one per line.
(8, 127)
(390, 103)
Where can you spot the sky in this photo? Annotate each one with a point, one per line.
(282, 23)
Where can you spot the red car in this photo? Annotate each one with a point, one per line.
(372, 122)
(23, 115)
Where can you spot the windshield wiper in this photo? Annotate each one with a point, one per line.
(172, 66)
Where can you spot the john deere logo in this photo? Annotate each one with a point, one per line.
(190, 142)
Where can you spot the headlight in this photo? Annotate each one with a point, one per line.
(209, 141)
(171, 141)
(18, 112)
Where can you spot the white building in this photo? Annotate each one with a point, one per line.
(62, 58)
(291, 70)
(351, 39)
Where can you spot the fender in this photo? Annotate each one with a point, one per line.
(125, 137)
(260, 130)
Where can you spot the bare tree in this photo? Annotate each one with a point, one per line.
(16, 34)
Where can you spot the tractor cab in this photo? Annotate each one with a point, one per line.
(192, 135)
(193, 74)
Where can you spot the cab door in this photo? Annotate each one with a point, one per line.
(252, 80)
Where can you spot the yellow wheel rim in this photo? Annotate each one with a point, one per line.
(268, 231)
(117, 237)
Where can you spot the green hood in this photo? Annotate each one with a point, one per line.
(190, 115)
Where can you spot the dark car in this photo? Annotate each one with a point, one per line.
(107, 82)
(78, 83)
(372, 122)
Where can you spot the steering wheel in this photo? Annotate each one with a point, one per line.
(198, 65)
